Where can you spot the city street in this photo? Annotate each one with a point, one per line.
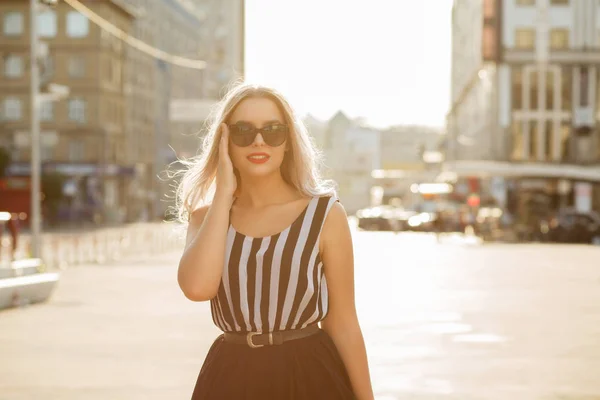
(451, 320)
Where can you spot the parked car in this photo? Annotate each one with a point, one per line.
(571, 226)
(383, 218)
(423, 222)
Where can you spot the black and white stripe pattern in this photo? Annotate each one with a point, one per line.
(277, 282)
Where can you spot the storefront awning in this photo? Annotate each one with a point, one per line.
(486, 169)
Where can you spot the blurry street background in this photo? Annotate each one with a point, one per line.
(463, 136)
(453, 320)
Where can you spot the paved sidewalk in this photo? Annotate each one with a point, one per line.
(109, 332)
(448, 320)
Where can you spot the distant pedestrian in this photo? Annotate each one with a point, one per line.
(271, 250)
(439, 225)
(12, 223)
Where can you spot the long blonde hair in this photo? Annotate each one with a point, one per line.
(300, 168)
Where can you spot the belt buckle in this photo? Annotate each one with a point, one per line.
(251, 344)
(249, 337)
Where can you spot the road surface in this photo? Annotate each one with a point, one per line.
(449, 320)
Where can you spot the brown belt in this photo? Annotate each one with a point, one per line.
(258, 339)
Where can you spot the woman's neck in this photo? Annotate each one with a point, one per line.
(272, 189)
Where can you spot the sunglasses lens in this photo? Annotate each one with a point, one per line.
(244, 135)
(275, 135)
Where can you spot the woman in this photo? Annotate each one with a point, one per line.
(273, 254)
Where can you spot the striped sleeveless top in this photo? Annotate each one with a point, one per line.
(276, 282)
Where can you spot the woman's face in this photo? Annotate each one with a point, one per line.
(255, 153)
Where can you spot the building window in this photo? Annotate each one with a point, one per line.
(13, 66)
(12, 109)
(525, 39)
(76, 150)
(77, 110)
(47, 111)
(47, 24)
(559, 38)
(78, 26)
(550, 88)
(525, 2)
(533, 141)
(567, 88)
(517, 141)
(517, 88)
(548, 137)
(13, 23)
(584, 87)
(46, 153)
(565, 133)
(533, 89)
(77, 67)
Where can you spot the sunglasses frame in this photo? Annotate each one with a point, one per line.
(255, 131)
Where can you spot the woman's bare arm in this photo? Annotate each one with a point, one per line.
(201, 264)
(341, 322)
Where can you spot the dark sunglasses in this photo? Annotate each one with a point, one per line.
(243, 134)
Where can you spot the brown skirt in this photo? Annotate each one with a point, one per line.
(304, 369)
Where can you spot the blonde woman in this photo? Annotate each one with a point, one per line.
(269, 246)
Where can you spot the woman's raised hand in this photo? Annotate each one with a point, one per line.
(226, 180)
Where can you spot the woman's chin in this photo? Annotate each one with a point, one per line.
(258, 171)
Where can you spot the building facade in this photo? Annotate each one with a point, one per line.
(373, 166)
(471, 120)
(84, 135)
(173, 27)
(317, 130)
(223, 33)
(117, 129)
(402, 160)
(402, 147)
(351, 151)
(525, 101)
(207, 30)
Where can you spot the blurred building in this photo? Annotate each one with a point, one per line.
(402, 159)
(373, 166)
(525, 105)
(170, 103)
(471, 120)
(84, 136)
(128, 114)
(402, 147)
(352, 152)
(223, 34)
(317, 130)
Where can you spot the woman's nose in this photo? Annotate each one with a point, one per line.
(258, 140)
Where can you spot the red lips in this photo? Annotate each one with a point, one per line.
(258, 158)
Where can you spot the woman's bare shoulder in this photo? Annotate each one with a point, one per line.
(336, 230)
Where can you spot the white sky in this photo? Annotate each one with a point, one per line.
(385, 60)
